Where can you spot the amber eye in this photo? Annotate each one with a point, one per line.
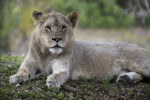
(64, 28)
(47, 27)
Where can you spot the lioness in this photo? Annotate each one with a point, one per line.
(56, 54)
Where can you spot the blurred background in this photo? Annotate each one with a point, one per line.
(99, 20)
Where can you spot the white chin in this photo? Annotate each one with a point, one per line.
(55, 50)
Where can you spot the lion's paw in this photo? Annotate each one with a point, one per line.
(52, 82)
(18, 78)
(124, 79)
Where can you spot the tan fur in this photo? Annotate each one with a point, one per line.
(74, 58)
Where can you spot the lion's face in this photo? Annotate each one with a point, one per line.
(55, 30)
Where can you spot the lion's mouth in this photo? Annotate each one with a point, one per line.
(56, 46)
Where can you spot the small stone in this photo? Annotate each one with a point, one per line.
(26, 91)
(17, 85)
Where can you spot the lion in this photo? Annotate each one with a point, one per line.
(56, 54)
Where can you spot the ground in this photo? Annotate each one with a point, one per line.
(87, 89)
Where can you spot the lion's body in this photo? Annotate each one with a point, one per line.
(56, 54)
(105, 59)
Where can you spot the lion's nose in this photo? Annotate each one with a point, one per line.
(57, 39)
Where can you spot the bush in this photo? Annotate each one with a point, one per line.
(8, 20)
(95, 13)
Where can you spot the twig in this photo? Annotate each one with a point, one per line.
(69, 88)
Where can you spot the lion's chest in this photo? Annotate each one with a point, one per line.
(45, 67)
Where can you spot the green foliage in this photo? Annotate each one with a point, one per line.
(10, 18)
(95, 13)
(15, 16)
(60, 96)
(146, 89)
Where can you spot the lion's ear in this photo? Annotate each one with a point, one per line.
(73, 18)
(37, 16)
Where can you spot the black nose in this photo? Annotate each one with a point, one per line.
(57, 39)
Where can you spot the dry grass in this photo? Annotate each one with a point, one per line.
(137, 35)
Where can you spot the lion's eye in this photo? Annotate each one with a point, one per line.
(64, 28)
(47, 27)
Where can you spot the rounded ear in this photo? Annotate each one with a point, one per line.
(73, 18)
(37, 16)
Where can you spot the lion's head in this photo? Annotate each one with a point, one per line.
(55, 30)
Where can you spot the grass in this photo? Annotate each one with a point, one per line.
(89, 89)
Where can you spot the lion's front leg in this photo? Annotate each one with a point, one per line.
(59, 76)
(23, 74)
(26, 71)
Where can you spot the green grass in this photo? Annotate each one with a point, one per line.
(89, 89)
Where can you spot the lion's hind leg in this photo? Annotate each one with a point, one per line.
(144, 69)
(136, 71)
